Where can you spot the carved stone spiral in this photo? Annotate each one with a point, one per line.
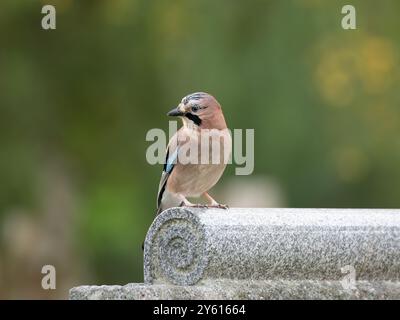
(175, 248)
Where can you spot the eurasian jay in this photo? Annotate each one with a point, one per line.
(203, 125)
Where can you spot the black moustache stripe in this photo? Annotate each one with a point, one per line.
(194, 118)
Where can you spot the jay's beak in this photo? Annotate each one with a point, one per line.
(176, 112)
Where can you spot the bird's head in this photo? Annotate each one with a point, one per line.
(200, 109)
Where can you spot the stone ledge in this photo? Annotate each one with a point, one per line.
(187, 246)
(240, 290)
(243, 253)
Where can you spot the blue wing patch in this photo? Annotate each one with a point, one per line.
(168, 167)
(171, 161)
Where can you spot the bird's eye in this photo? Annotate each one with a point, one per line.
(195, 108)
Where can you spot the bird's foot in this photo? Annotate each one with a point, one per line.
(199, 205)
(204, 206)
(192, 205)
(219, 206)
(212, 203)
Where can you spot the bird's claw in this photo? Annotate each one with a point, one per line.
(205, 206)
(200, 206)
(220, 206)
(183, 204)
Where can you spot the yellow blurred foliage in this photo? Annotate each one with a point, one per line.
(363, 67)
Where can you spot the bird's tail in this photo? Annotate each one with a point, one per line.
(159, 210)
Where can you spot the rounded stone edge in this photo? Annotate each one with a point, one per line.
(159, 221)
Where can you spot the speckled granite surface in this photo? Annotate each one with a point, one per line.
(184, 245)
(246, 253)
(240, 290)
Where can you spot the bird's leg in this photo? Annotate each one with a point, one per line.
(213, 203)
(186, 203)
(210, 200)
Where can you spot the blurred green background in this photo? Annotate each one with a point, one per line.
(76, 103)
